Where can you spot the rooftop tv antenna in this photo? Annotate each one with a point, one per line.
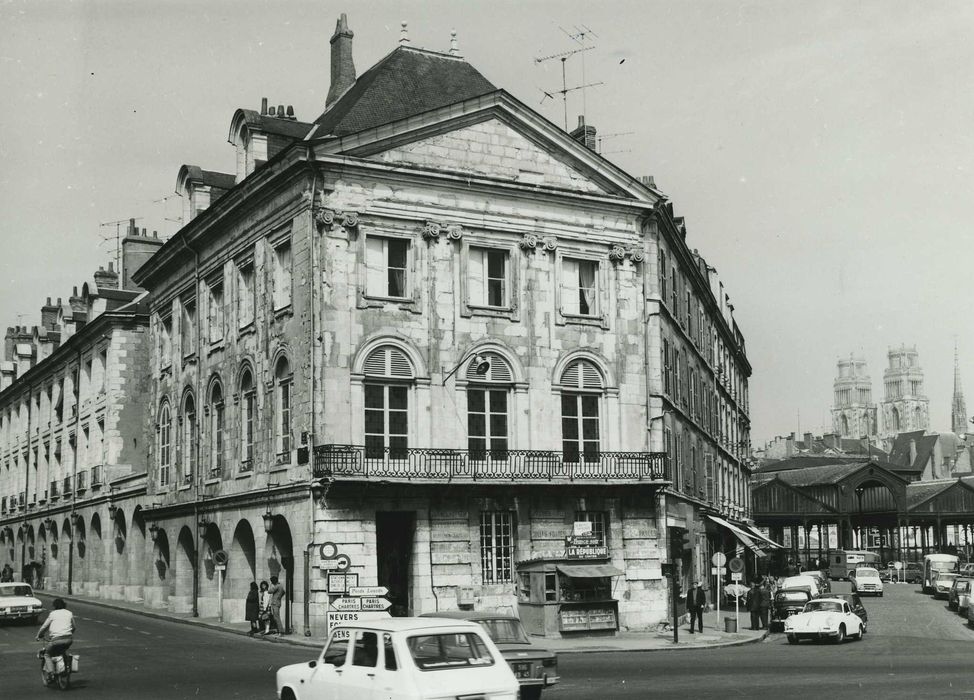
(604, 137)
(563, 57)
(580, 35)
(117, 236)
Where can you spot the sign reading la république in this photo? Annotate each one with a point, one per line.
(585, 547)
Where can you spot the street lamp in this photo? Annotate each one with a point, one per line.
(482, 366)
(153, 532)
(268, 522)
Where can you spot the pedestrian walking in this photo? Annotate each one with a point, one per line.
(754, 605)
(252, 608)
(277, 592)
(264, 607)
(764, 605)
(696, 600)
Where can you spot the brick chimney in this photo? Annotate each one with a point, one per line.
(137, 248)
(106, 279)
(342, 67)
(49, 314)
(584, 133)
(808, 441)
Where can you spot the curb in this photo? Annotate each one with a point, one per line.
(193, 622)
(301, 642)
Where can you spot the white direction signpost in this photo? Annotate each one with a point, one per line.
(374, 604)
(361, 603)
(347, 604)
(341, 618)
(370, 591)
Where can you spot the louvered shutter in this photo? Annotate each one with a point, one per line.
(476, 275)
(388, 361)
(376, 275)
(582, 374)
(499, 372)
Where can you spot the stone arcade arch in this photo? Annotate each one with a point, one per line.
(95, 555)
(119, 564)
(212, 542)
(137, 557)
(158, 591)
(79, 576)
(68, 561)
(241, 571)
(279, 557)
(39, 558)
(181, 599)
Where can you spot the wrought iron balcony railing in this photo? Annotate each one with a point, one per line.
(433, 464)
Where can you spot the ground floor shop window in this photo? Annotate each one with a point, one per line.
(497, 546)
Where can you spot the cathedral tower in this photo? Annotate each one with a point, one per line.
(905, 406)
(854, 413)
(958, 409)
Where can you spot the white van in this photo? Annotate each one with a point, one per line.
(809, 582)
(946, 563)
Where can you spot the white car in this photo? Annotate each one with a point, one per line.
(402, 658)
(942, 583)
(865, 580)
(17, 602)
(825, 618)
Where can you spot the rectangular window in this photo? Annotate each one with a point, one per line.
(187, 329)
(579, 427)
(662, 274)
(487, 422)
(580, 287)
(282, 275)
(599, 520)
(284, 420)
(214, 319)
(488, 270)
(366, 650)
(674, 292)
(245, 294)
(216, 443)
(247, 427)
(497, 546)
(386, 420)
(386, 262)
(165, 341)
(666, 367)
(189, 445)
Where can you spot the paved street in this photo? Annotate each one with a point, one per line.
(915, 648)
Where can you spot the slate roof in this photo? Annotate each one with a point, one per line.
(925, 445)
(921, 491)
(806, 462)
(289, 128)
(827, 474)
(222, 181)
(405, 83)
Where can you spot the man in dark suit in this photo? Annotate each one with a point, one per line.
(696, 601)
(754, 605)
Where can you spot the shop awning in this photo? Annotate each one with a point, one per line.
(588, 570)
(742, 536)
(763, 538)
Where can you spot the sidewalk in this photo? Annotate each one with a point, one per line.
(712, 638)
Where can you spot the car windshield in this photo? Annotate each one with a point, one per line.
(943, 565)
(867, 573)
(504, 631)
(21, 589)
(943, 578)
(792, 596)
(823, 606)
(432, 652)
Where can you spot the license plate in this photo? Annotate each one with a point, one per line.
(521, 670)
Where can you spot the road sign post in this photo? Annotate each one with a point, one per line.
(718, 560)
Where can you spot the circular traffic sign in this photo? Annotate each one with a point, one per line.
(718, 559)
(897, 565)
(343, 562)
(328, 550)
(736, 565)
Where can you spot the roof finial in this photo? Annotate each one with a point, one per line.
(454, 49)
(404, 35)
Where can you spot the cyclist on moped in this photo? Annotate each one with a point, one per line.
(59, 628)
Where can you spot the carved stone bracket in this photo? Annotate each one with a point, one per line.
(327, 218)
(433, 229)
(531, 241)
(617, 254)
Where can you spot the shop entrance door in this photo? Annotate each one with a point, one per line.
(394, 531)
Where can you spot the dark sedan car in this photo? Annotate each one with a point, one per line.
(790, 601)
(855, 603)
(535, 668)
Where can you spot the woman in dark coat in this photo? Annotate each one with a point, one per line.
(252, 612)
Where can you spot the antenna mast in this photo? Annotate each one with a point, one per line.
(563, 57)
(118, 237)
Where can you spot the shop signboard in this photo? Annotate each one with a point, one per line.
(585, 547)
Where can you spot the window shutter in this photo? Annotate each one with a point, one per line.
(388, 361)
(569, 287)
(582, 374)
(476, 269)
(570, 376)
(499, 372)
(376, 282)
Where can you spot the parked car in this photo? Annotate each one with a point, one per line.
(821, 579)
(534, 667)
(411, 657)
(958, 596)
(790, 601)
(17, 602)
(970, 615)
(967, 569)
(855, 604)
(825, 618)
(866, 580)
(913, 572)
(940, 582)
(802, 581)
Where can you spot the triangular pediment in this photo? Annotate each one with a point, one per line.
(494, 149)
(777, 498)
(958, 498)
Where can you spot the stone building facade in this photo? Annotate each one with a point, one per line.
(424, 339)
(72, 445)
(854, 412)
(905, 406)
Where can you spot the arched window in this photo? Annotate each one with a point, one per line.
(488, 406)
(165, 443)
(895, 419)
(582, 387)
(283, 382)
(248, 410)
(216, 428)
(189, 435)
(845, 426)
(388, 376)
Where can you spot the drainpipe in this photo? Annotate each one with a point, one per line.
(196, 446)
(312, 233)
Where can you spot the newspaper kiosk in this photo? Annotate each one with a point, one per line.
(567, 597)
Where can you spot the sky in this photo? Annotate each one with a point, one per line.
(821, 153)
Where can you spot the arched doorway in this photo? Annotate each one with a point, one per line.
(157, 592)
(120, 563)
(66, 578)
(182, 598)
(38, 557)
(80, 575)
(95, 555)
(210, 576)
(280, 562)
(241, 571)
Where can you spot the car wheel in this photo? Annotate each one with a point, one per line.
(793, 639)
(840, 637)
(862, 632)
(287, 694)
